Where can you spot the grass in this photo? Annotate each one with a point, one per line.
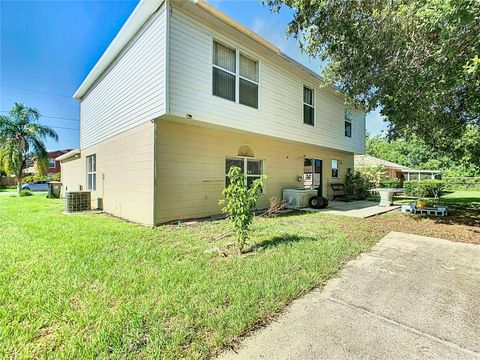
(8, 189)
(92, 286)
(462, 198)
(454, 198)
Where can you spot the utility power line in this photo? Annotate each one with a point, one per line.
(38, 91)
(64, 128)
(50, 117)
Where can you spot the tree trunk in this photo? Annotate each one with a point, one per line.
(19, 182)
(20, 176)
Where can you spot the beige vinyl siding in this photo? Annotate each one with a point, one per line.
(280, 111)
(132, 91)
(72, 174)
(124, 173)
(190, 164)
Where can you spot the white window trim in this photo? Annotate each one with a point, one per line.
(338, 168)
(348, 121)
(245, 167)
(52, 162)
(312, 106)
(91, 173)
(237, 75)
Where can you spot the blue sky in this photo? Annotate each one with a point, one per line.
(48, 47)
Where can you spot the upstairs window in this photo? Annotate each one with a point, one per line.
(233, 73)
(308, 106)
(91, 173)
(51, 163)
(348, 124)
(248, 82)
(224, 71)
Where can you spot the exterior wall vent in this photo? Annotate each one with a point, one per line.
(77, 201)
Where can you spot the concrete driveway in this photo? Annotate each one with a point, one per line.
(411, 297)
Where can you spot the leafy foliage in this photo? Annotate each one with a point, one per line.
(390, 183)
(357, 184)
(3, 167)
(239, 203)
(460, 158)
(56, 177)
(41, 166)
(22, 135)
(462, 183)
(373, 175)
(28, 178)
(416, 59)
(424, 188)
(24, 193)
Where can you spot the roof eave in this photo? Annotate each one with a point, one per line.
(135, 21)
(68, 155)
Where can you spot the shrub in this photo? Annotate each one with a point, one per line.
(239, 203)
(56, 177)
(24, 193)
(462, 183)
(28, 179)
(372, 174)
(39, 177)
(390, 183)
(424, 188)
(357, 183)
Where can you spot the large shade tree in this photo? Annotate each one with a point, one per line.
(416, 59)
(22, 135)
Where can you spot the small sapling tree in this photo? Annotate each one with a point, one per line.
(239, 202)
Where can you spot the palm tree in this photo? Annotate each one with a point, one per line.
(21, 134)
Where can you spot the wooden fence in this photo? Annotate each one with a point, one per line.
(8, 181)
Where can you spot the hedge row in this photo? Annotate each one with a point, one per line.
(462, 183)
(424, 188)
(390, 183)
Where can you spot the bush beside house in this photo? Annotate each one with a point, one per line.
(424, 188)
(358, 183)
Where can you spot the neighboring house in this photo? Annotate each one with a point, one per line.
(396, 171)
(53, 165)
(181, 94)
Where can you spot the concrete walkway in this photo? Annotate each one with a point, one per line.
(358, 209)
(411, 297)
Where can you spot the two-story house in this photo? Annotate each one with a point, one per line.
(53, 166)
(182, 93)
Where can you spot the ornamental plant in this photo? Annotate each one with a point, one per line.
(239, 202)
(357, 184)
(424, 188)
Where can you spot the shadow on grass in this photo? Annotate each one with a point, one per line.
(461, 202)
(456, 216)
(459, 216)
(283, 240)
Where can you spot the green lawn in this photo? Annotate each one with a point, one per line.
(8, 189)
(455, 198)
(462, 198)
(92, 286)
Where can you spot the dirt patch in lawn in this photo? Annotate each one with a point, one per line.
(461, 225)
